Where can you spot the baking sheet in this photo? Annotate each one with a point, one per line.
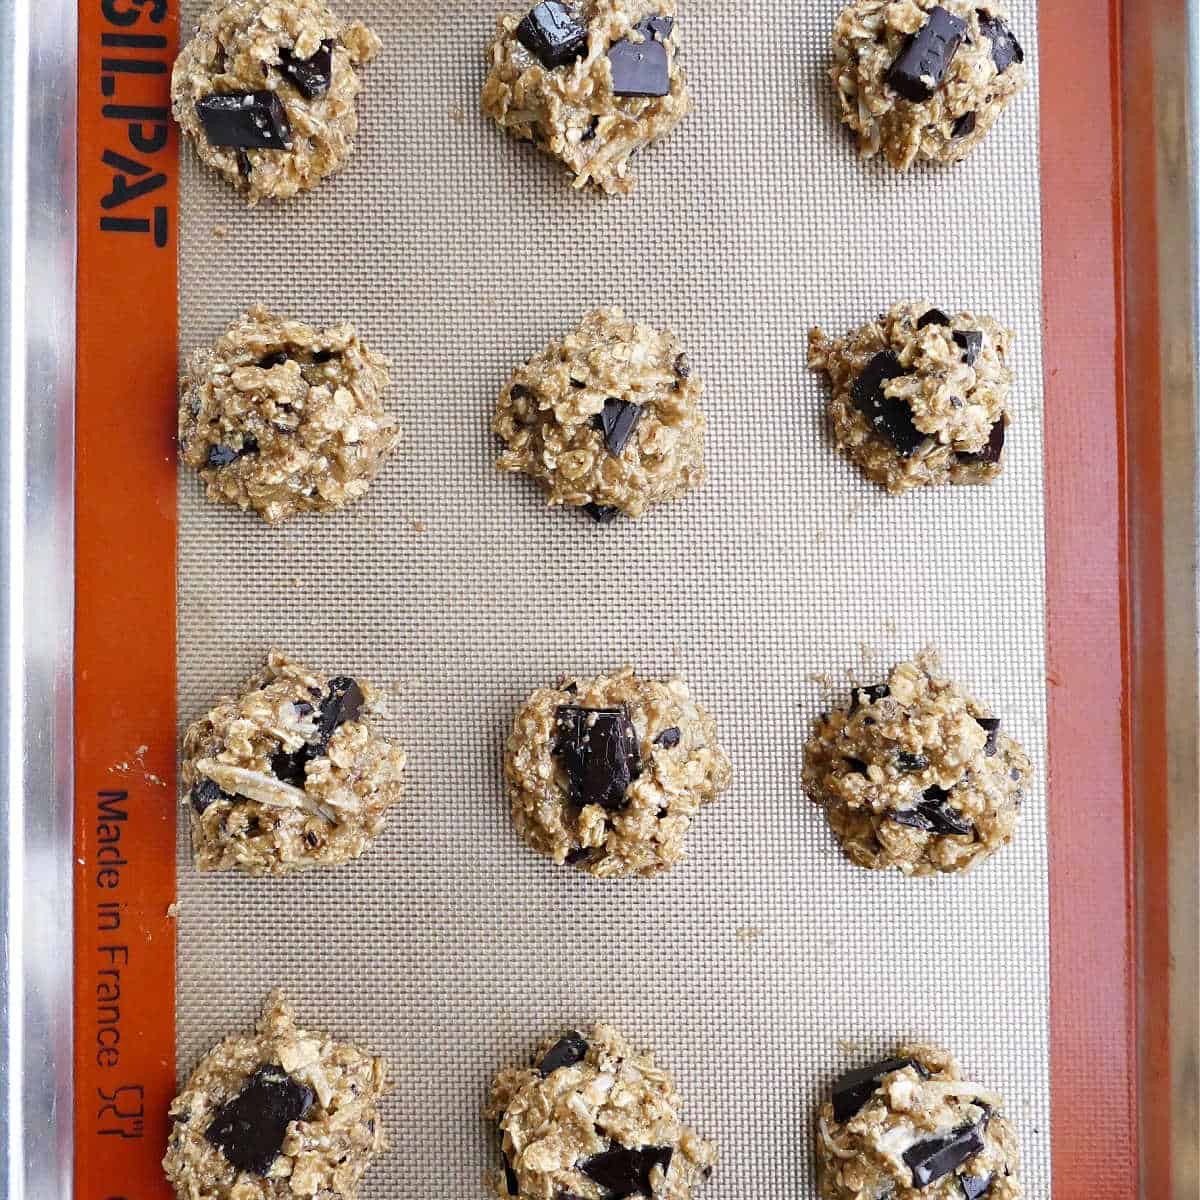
(764, 964)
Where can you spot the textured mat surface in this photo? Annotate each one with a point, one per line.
(764, 964)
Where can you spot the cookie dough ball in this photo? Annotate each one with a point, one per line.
(279, 1113)
(911, 1128)
(590, 82)
(266, 92)
(915, 774)
(607, 419)
(283, 418)
(290, 774)
(607, 774)
(923, 79)
(594, 1118)
(919, 397)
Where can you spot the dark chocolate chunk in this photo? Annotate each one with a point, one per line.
(934, 1157)
(245, 120)
(946, 820)
(343, 702)
(669, 738)
(641, 68)
(222, 456)
(963, 126)
(602, 514)
(311, 75)
(876, 691)
(245, 166)
(289, 766)
(323, 356)
(599, 751)
(934, 316)
(991, 726)
(1006, 50)
(577, 855)
(911, 818)
(623, 1172)
(273, 360)
(510, 1176)
(566, 1052)
(993, 448)
(617, 422)
(911, 762)
(975, 1187)
(970, 341)
(683, 368)
(553, 34)
(249, 1129)
(927, 55)
(935, 814)
(856, 1087)
(205, 794)
(890, 417)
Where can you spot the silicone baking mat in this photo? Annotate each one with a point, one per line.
(764, 964)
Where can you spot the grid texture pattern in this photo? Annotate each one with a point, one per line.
(765, 963)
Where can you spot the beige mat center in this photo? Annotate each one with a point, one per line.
(755, 964)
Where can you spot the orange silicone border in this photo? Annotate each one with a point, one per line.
(1094, 1049)
(125, 600)
(125, 685)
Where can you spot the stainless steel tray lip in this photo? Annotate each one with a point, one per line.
(37, 370)
(1178, 73)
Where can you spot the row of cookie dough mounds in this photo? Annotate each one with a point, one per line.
(588, 83)
(606, 418)
(290, 774)
(915, 774)
(287, 1112)
(911, 1128)
(266, 91)
(281, 418)
(278, 1113)
(922, 79)
(607, 775)
(919, 397)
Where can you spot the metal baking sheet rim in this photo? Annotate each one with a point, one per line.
(37, 289)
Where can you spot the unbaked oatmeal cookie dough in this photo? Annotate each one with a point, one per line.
(919, 79)
(606, 419)
(607, 774)
(289, 775)
(595, 1119)
(915, 774)
(919, 397)
(590, 82)
(278, 1113)
(266, 92)
(911, 1128)
(283, 418)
